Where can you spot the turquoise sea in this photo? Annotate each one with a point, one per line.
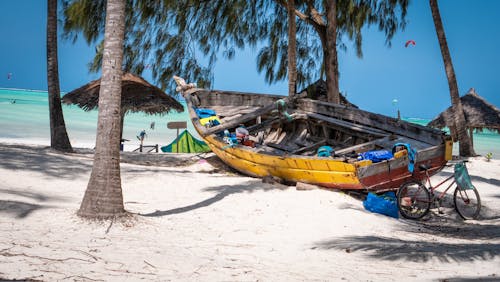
(27, 121)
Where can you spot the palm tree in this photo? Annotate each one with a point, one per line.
(329, 20)
(331, 61)
(465, 145)
(59, 139)
(292, 43)
(103, 197)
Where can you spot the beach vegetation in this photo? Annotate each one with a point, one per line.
(459, 129)
(59, 139)
(489, 156)
(103, 197)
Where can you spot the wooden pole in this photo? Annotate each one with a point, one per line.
(177, 138)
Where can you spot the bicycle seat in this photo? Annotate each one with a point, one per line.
(423, 167)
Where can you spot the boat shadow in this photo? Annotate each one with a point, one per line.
(221, 193)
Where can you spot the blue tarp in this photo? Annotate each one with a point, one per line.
(204, 113)
(383, 204)
(376, 156)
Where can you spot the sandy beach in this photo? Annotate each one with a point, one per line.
(195, 220)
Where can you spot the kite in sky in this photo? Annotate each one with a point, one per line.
(410, 42)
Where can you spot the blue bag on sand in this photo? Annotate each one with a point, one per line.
(383, 204)
(376, 156)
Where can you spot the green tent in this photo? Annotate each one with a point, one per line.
(187, 144)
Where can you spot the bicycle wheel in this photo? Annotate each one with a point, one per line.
(414, 200)
(467, 203)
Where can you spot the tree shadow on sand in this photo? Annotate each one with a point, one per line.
(458, 229)
(43, 160)
(476, 178)
(21, 209)
(66, 165)
(18, 209)
(221, 193)
(391, 249)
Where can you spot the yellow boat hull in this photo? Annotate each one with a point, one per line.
(325, 172)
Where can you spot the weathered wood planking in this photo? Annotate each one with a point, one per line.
(231, 98)
(363, 147)
(349, 125)
(414, 131)
(235, 122)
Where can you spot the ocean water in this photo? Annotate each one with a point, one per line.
(27, 121)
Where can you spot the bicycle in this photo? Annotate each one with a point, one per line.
(414, 198)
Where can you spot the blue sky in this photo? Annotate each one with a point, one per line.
(414, 76)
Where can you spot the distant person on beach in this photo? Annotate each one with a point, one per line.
(152, 125)
(141, 136)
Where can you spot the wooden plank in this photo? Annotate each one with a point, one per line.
(280, 147)
(362, 147)
(310, 147)
(349, 125)
(235, 122)
(210, 98)
(270, 122)
(232, 110)
(263, 125)
(413, 131)
(177, 125)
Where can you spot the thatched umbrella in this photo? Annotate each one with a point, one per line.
(137, 96)
(479, 115)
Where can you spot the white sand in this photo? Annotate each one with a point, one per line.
(206, 224)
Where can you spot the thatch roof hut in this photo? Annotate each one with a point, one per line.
(479, 114)
(138, 95)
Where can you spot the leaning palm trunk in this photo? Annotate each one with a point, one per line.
(331, 61)
(465, 145)
(59, 139)
(103, 197)
(292, 43)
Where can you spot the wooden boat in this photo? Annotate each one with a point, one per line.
(285, 134)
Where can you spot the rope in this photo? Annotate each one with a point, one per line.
(282, 106)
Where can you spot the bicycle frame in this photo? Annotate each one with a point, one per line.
(433, 188)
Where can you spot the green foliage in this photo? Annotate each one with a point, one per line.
(184, 37)
(352, 16)
(173, 37)
(489, 156)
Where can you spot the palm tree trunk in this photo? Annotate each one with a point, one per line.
(471, 135)
(292, 49)
(103, 197)
(465, 145)
(331, 60)
(59, 139)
